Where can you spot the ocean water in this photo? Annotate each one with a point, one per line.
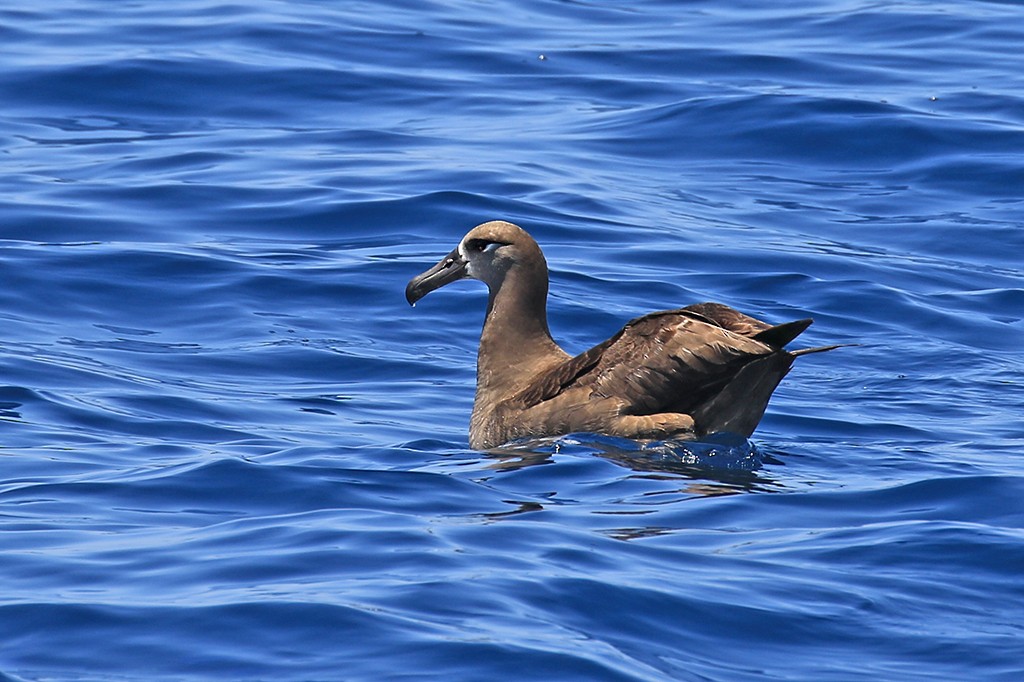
(229, 449)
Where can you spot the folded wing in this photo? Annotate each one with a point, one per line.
(707, 360)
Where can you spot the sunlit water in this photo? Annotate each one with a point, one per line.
(230, 450)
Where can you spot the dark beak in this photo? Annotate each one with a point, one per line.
(451, 268)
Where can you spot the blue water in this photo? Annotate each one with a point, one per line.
(229, 450)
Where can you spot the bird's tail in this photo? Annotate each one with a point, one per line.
(821, 349)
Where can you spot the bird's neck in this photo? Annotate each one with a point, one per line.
(515, 342)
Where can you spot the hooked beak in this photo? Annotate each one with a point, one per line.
(451, 268)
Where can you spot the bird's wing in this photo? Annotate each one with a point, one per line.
(728, 318)
(775, 336)
(669, 361)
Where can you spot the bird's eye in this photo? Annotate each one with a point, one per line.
(483, 246)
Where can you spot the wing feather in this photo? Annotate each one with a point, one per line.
(669, 361)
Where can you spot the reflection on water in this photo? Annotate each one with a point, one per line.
(720, 464)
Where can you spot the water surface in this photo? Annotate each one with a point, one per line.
(230, 450)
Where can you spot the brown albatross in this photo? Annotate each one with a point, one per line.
(678, 374)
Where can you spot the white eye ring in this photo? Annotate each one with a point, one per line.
(491, 247)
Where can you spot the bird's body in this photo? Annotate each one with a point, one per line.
(678, 373)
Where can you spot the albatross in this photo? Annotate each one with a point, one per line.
(674, 374)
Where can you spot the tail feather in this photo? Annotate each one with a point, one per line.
(821, 349)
